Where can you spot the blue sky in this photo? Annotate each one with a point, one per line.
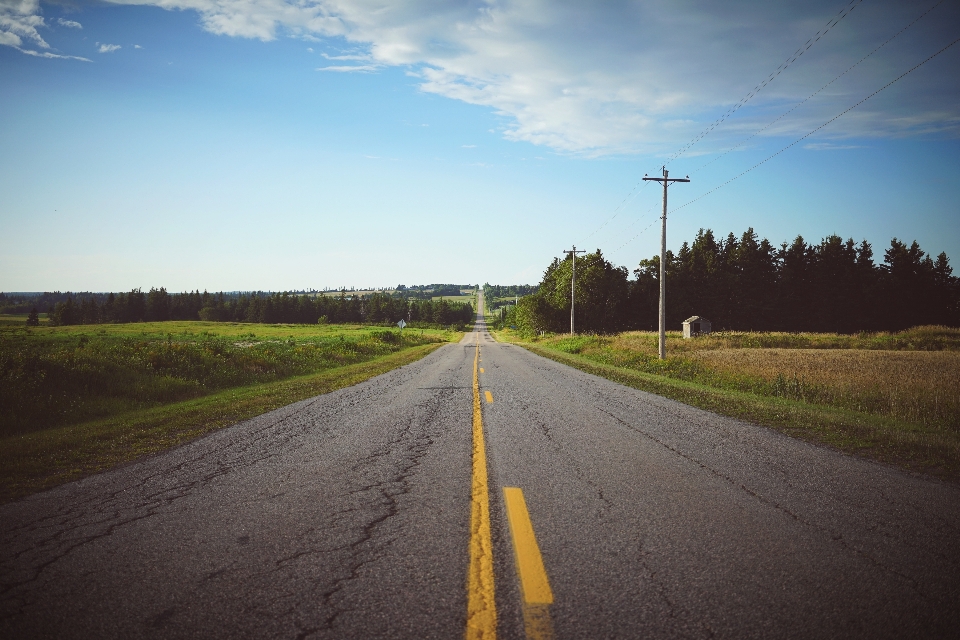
(272, 144)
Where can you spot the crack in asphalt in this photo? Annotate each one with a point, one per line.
(265, 441)
(833, 535)
(404, 453)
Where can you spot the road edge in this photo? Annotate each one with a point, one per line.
(862, 435)
(35, 462)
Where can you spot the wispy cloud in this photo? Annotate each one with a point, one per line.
(364, 68)
(829, 146)
(47, 54)
(19, 20)
(468, 146)
(108, 48)
(136, 46)
(364, 57)
(592, 79)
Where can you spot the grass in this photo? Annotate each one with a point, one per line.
(893, 397)
(80, 399)
(56, 376)
(19, 319)
(472, 299)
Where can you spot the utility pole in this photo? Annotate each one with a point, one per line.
(663, 260)
(573, 280)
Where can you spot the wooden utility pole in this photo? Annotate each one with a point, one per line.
(663, 260)
(573, 280)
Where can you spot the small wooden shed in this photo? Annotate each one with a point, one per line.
(695, 326)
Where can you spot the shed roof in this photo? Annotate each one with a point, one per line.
(695, 319)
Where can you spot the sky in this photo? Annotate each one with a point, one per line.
(296, 144)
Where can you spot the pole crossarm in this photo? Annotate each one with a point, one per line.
(573, 280)
(668, 179)
(663, 260)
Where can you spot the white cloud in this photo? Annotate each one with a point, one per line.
(47, 54)
(108, 48)
(19, 20)
(363, 68)
(136, 46)
(468, 146)
(619, 77)
(360, 57)
(69, 23)
(10, 39)
(829, 146)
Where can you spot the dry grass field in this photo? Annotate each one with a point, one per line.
(921, 387)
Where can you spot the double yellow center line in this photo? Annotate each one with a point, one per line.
(537, 595)
(481, 608)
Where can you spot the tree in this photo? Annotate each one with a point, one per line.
(158, 305)
(33, 320)
(602, 297)
(909, 279)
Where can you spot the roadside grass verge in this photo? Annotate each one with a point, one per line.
(39, 460)
(52, 377)
(900, 407)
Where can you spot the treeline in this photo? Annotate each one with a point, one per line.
(43, 301)
(428, 291)
(749, 284)
(157, 305)
(493, 291)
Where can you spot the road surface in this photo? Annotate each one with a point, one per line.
(354, 515)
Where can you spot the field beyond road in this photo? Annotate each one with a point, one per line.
(893, 397)
(79, 399)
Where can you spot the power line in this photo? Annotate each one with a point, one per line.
(762, 129)
(796, 55)
(641, 232)
(801, 139)
(783, 66)
(844, 112)
(616, 212)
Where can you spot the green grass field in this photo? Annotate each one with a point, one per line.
(78, 399)
(9, 320)
(889, 396)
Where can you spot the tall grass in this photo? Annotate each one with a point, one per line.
(51, 378)
(913, 376)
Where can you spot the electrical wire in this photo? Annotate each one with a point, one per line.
(836, 117)
(785, 114)
(783, 66)
(630, 196)
(796, 55)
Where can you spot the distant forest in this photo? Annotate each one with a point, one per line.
(493, 291)
(272, 308)
(749, 284)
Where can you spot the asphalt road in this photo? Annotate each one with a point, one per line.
(349, 516)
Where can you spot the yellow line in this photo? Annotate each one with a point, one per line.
(533, 575)
(481, 606)
(537, 596)
(489, 396)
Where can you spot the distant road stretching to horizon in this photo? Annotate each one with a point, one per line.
(392, 508)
